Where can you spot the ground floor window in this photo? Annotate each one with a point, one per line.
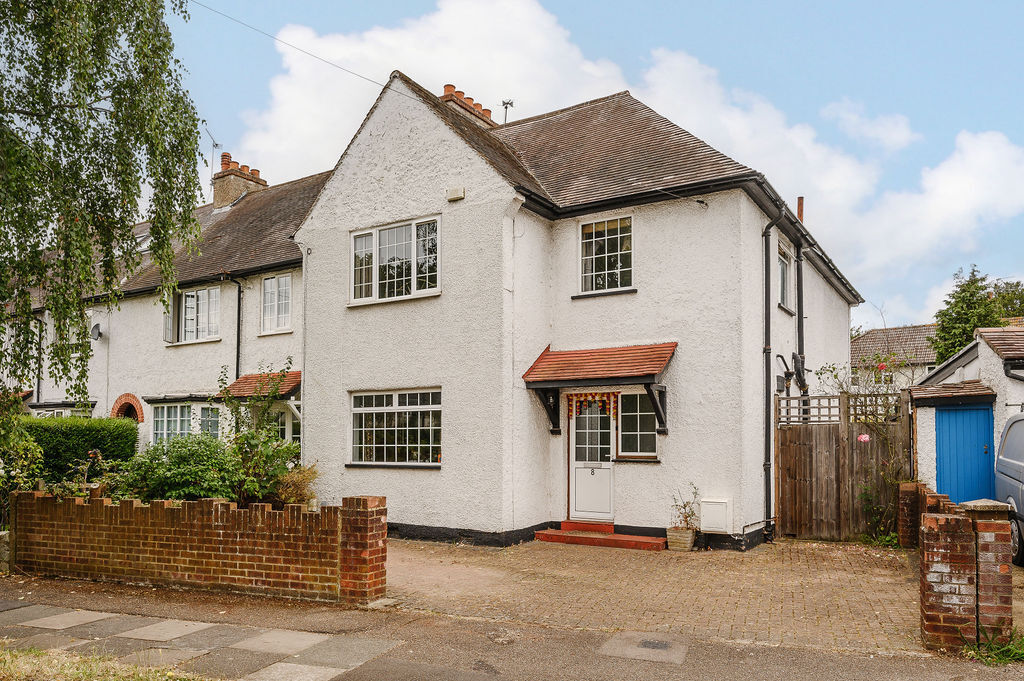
(397, 427)
(171, 420)
(209, 421)
(289, 426)
(638, 426)
(61, 413)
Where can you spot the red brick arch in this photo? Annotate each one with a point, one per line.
(123, 406)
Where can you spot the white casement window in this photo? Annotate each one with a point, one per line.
(397, 427)
(785, 263)
(395, 262)
(277, 303)
(62, 413)
(209, 421)
(171, 420)
(637, 426)
(196, 316)
(606, 250)
(289, 427)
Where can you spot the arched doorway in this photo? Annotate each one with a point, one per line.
(127, 406)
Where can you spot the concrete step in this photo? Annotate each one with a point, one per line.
(587, 526)
(612, 540)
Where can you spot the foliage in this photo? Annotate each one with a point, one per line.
(94, 469)
(67, 441)
(686, 511)
(193, 466)
(21, 464)
(992, 652)
(296, 486)
(856, 331)
(967, 307)
(93, 119)
(869, 374)
(59, 665)
(1009, 297)
(262, 459)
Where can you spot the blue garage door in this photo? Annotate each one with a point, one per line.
(964, 452)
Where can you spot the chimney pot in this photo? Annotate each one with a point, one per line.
(469, 100)
(800, 208)
(234, 164)
(244, 168)
(255, 173)
(459, 93)
(478, 106)
(449, 89)
(486, 112)
(225, 161)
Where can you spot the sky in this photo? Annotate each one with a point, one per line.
(899, 122)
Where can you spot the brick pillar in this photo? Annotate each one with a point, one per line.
(908, 521)
(995, 578)
(948, 581)
(364, 552)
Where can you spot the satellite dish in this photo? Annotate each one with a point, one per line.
(95, 333)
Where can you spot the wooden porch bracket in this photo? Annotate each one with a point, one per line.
(549, 400)
(659, 400)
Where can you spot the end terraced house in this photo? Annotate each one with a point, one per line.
(502, 327)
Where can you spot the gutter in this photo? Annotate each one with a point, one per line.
(1010, 365)
(766, 235)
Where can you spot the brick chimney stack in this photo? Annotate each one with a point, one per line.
(233, 181)
(475, 111)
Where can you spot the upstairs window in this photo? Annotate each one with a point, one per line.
(406, 261)
(195, 316)
(607, 253)
(277, 303)
(784, 267)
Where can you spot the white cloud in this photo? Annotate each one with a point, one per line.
(517, 49)
(890, 131)
(898, 310)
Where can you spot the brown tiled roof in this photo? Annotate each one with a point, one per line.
(1007, 341)
(251, 384)
(612, 147)
(905, 342)
(253, 235)
(623, 362)
(940, 391)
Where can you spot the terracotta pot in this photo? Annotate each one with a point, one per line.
(680, 538)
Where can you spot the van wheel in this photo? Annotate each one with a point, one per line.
(1016, 545)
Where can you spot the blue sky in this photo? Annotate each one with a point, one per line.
(900, 122)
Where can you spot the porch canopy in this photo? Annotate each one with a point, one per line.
(252, 385)
(945, 394)
(627, 365)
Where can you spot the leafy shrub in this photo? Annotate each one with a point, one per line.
(66, 442)
(21, 464)
(263, 460)
(185, 467)
(296, 486)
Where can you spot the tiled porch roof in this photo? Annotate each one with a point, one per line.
(950, 391)
(249, 384)
(632, 361)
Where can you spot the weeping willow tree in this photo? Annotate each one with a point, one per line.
(93, 119)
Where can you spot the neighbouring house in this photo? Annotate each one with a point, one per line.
(239, 309)
(960, 410)
(566, 317)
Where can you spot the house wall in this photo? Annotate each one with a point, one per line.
(399, 166)
(826, 327)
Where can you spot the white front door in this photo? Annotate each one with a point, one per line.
(591, 487)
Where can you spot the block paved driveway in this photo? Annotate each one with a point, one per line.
(821, 595)
(209, 650)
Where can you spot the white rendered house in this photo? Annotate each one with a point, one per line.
(568, 317)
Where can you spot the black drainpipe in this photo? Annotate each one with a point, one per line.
(801, 380)
(767, 237)
(238, 329)
(1010, 366)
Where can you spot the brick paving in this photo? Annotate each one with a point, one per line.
(821, 595)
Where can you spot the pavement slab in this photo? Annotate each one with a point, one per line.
(288, 671)
(114, 646)
(160, 657)
(118, 624)
(282, 641)
(344, 652)
(642, 645)
(6, 605)
(218, 636)
(229, 663)
(67, 620)
(166, 630)
(46, 641)
(29, 612)
(14, 631)
(403, 670)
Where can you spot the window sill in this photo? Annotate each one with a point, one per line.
(405, 466)
(382, 301)
(599, 294)
(786, 309)
(636, 459)
(193, 342)
(278, 332)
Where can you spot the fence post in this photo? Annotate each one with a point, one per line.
(843, 500)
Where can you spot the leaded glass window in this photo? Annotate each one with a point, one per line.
(407, 261)
(398, 428)
(607, 252)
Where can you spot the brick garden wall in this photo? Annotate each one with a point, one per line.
(966, 581)
(336, 554)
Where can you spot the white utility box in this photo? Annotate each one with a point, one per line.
(716, 516)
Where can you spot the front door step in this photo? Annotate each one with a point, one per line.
(599, 534)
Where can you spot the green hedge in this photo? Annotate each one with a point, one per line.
(66, 441)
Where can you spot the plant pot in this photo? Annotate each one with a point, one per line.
(680, 538)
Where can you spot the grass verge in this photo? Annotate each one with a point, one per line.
(993, 652)
(59, 665)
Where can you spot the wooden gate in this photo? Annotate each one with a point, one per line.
(822, 461)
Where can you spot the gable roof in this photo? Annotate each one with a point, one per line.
(907, 342)
(632, 361)
(1007, 341)
(253, 235)
(611, 147)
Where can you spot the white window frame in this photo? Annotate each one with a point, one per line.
(580, 224)
(394, 407)
(292, 425)
(374, 232)
(215, 418)
(164, 433)
(785, 287)
(205, 329)
(622, 453)
(275, 326)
